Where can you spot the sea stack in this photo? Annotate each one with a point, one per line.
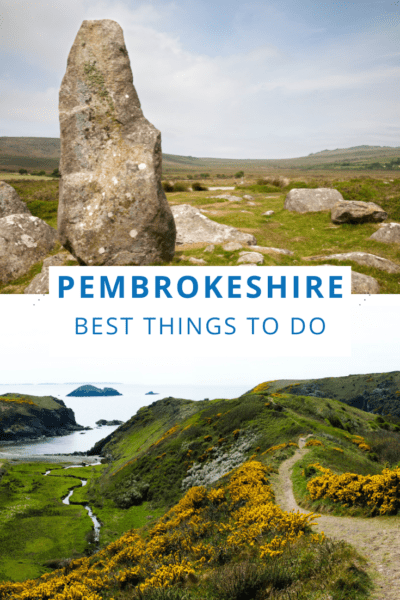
(112, 208)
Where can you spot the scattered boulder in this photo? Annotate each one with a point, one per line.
(24, 241)
(248, 197)
(363, 258)
(389, 233)
(269, 213)
(303, 200)
(228, 197)
(251, 204)
(363, 284)
(40, 283)
(10, 202)
(197, 261)
(193, 227)
(268, 250)
(209, 248)
(112, 209)
(253, 258)
(353, 211)
(232, 246)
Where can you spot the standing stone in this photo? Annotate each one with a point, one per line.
(112, 209)
(10, 202)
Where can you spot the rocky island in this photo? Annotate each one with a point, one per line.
(92, 390)
(32, 417)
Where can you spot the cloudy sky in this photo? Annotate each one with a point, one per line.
(221, 78)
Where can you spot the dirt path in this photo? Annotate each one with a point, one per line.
(378, 538)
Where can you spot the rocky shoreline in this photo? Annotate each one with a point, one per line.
(27, 418)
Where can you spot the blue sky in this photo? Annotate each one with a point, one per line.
(234, 79)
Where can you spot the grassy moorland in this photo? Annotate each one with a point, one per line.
(306, 235)
(187, 505)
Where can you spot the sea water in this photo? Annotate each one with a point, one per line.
(88, 410)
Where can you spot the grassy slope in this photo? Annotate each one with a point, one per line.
(140, 453)
(376, 392)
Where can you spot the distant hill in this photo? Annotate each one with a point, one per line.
(376, 392)
(44, 153)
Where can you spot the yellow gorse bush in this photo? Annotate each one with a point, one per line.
(189, 537)
(359, 441)
(279, 447)
(17, 400)
(381, 491)
(311, 443)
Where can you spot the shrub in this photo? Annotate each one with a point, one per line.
(167, 186)
(179, 186)
(198, 187)
(238, 582)
(239, 174)
(386, 445)
(22, 171)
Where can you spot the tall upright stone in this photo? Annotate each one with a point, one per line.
(112, 209)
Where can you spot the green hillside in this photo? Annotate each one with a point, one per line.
(186, 501)
(44, 153)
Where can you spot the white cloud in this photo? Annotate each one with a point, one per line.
(263, 101)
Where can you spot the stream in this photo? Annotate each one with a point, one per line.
(66, 500)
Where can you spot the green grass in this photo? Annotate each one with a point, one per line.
(306, 235)
(35, 527)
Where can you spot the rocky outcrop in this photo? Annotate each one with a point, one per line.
(303, 200)
(112, 210)
(24, 241)
(389, 233)
(104, 422)
(10, 202)
(92, 390)
(193, 227)
(352, 211)
(31, 417)
(40, 283)
(362, 258)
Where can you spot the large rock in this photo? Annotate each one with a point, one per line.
(362, 258)
(10, 202)
(193, 227)
(389, 233)
(24, 241)
(250, 258)
(40, 283)
(353, 211)
(303, 200)
(112, 210)
(362, 284)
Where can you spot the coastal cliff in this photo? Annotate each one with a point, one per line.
(32, 417)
